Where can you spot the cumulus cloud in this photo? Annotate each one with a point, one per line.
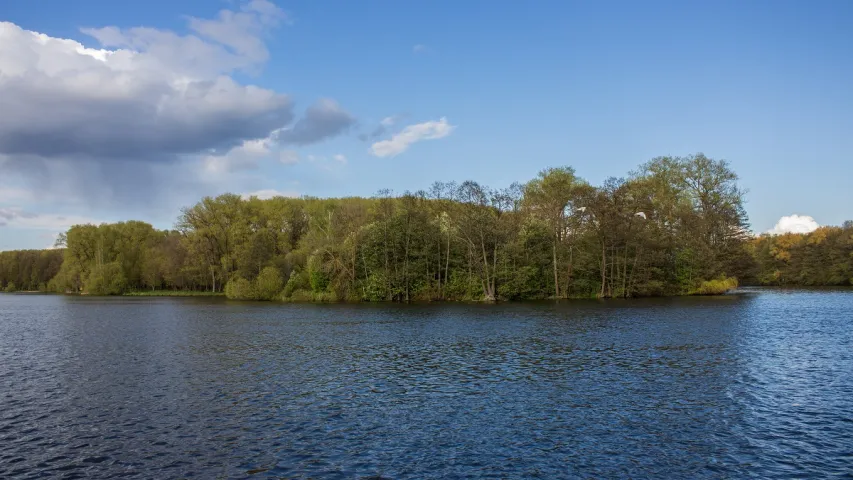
(269, 193)
(794, 224)
(401, 141)
(62, 99)
(145, 99)
(340, 158)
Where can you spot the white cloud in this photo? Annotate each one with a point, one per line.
(243, 157)
(18, 218)
(401, 141)
(269, 193)
(340, 158)
(795, 224)
(241, 31)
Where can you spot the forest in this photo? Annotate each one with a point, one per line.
(674, 226)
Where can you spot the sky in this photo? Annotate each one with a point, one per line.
(114, 111)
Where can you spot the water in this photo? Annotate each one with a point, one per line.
(758, 384)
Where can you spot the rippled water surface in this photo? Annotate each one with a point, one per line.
(755, 384)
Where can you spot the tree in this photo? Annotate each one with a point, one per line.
(552, 196)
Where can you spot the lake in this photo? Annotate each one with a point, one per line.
(759, 383)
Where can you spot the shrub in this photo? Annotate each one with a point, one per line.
(716, 287)
(268, 284)
(10, 287)
(301, 296)
(298, 281)
(240, 289)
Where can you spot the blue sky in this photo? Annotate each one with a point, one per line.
(600, 86)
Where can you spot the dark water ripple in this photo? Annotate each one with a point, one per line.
(752, 385)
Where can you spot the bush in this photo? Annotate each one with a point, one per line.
(240, 289)
(10, 287)
(716, 287)
(268, 284)
(298, 281)
(107, 279)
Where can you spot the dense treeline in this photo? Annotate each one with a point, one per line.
(28, 270)
(674, 226)
(820, 258)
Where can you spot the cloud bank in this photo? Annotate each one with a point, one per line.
(145, 98)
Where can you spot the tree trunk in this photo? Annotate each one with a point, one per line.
(446, 262)
(569, 273)
(556, 276)
(603, 269)
(488, 293)
(438, 270)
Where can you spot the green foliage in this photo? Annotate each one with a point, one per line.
(318, 279)
(10, 287)
(28, 269)
(463, 287)
(107, 279)
(240, 289)
(268, 285)
(522, 283)
(298, 281)
(301, 296)
(374, 287)
(716, 287)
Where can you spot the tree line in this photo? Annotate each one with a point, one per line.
(820, 258)
(674, 226)
(28, 270)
